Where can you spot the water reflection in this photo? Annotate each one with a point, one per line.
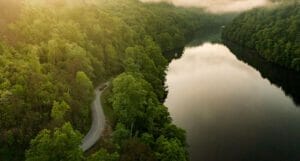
(229, 111)
(287, 79)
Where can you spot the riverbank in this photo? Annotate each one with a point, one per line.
(229, 110)
(281, 76)
(278, 43)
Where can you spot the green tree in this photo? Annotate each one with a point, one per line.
(62, 144)
(103, 155)
(82, 93)
(58, 111)
(170, 150)
(272, 32)
(54, 50)
(84, 87)
(133, 101)
(120, 134)
(171, 131)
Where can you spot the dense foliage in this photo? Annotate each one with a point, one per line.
(144, 122)
(52, 53)
(49, 146)
(273, 32)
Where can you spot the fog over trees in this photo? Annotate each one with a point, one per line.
(54, 52)
(218, 6)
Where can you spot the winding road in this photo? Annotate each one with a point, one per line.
(98, 120)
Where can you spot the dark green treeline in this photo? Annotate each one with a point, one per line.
(274, 32)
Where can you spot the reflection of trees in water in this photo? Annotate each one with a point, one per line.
(211, 37)
(197, 40)
(174, 54)
(287, 79)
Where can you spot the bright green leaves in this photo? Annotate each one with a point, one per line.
(82, 95)
(131, 100)
(148, 62)
(84, 85)
(58, 111)
(77, 59)
(66, 58)
(144, 125)
(39, 147)
(155, 53)
(60, 50)
(61, 144)
(170, 150)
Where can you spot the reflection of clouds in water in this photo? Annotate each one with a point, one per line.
(218, 5)
(220, 100)
(212, 78)
(212, 54)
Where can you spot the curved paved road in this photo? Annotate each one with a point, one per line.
(98, 121)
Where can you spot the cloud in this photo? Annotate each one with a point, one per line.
(217, 6)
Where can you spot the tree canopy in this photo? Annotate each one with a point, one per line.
(61, 144)
(53, 52)
(273, 32)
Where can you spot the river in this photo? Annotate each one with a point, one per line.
(233, 111)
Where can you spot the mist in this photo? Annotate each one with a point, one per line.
(217, 6)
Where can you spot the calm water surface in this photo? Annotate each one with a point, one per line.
(230, 112)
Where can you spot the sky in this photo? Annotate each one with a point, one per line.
(218, 6)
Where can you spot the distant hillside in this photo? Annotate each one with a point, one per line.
(273, 32)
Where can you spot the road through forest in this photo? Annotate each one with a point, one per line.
(98, 120)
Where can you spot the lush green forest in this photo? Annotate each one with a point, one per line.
(53, 53)
(274, 32)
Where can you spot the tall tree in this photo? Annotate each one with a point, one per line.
(58, 112)
(103, 155)
(61, 144)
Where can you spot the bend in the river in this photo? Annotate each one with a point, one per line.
(229, 110)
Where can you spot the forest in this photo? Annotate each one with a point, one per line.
(52, 55)
(274, 32)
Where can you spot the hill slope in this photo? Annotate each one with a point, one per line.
(273, 32)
